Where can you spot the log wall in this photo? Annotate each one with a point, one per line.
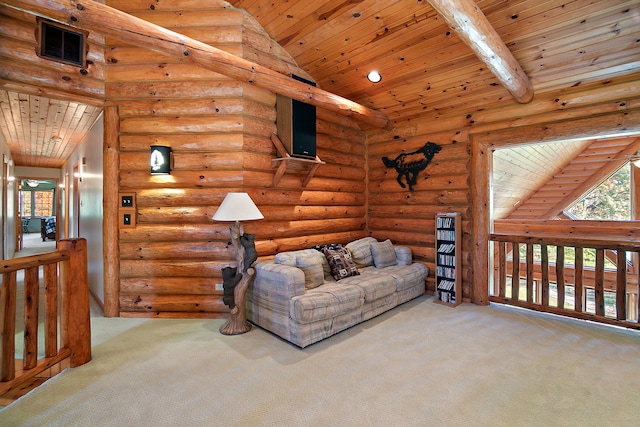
(450, 182)
(220, 131)
(28, 72)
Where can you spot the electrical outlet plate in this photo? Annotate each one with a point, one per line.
(219, 287)
(127, 201)
(127, 219)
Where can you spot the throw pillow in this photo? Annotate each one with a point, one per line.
(340, 261)
(384, 255)
(312, 268)
(361, 251)
(307, 260)
(325, 265)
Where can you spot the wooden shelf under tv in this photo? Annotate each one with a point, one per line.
(287, 162)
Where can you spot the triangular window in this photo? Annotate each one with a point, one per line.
(611, 200)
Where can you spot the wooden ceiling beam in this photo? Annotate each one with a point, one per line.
(468, 21)
(93, 16)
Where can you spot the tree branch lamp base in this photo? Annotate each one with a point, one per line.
(238, 207)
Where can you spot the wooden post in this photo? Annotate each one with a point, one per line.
(502, 266)
(31, 297)
(544, 265)
(51, 309)
(599, 282)
(110, 231)
(237, 322)
(8, 326)
(75, 323)
(515, 275)
(621, 286)
(529, 272)
(560, 275)
(579, 280)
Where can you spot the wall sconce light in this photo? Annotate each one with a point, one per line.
(160, 160)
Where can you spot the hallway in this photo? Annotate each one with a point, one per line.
(33, 245)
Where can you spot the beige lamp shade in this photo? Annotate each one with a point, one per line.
(237, 207)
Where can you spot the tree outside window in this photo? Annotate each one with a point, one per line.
(36, 203)
(610, 201)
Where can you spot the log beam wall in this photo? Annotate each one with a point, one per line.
(457, 179)
(219, 130)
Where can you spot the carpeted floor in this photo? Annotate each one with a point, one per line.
(420, 364)
(32, 244)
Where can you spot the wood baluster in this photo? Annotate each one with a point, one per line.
(544, 265)
(579, 280)
(51, 310)
(638, 294)
(621, 285)
(599, 282)
(529, 272)
(515, 276)
(502, 269)
(560, 275)
(8, 326)
(31, 301)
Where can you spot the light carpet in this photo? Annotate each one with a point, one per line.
(421, 364)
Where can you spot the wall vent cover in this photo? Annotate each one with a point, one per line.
(61, 43)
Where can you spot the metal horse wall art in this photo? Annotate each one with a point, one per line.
(409, 165)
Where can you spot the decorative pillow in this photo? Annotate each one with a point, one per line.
(307, 260)
(361, 251)
(312, 268)
(328, 275)
(384, 255)
(340, 261)
(286, 258)
(404, 255)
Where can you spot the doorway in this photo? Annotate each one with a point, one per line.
(37, 222)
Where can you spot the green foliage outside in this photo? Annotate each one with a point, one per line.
(588, 257)
(610, 201)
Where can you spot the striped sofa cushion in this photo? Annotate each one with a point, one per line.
(327, 301)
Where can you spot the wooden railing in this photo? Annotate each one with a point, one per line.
(591, 292)
(66, 325)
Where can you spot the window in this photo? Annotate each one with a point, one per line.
(62, 43)
(25, 204)
(36, 203)
(43, 203)
(610, 201)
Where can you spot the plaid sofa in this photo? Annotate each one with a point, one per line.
(305, 296)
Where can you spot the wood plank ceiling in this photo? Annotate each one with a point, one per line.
(43, 132)
(427, 70)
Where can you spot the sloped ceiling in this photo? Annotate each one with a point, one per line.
(428, 71)
(574, 178)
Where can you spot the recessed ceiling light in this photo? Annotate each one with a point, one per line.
(374, 76)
